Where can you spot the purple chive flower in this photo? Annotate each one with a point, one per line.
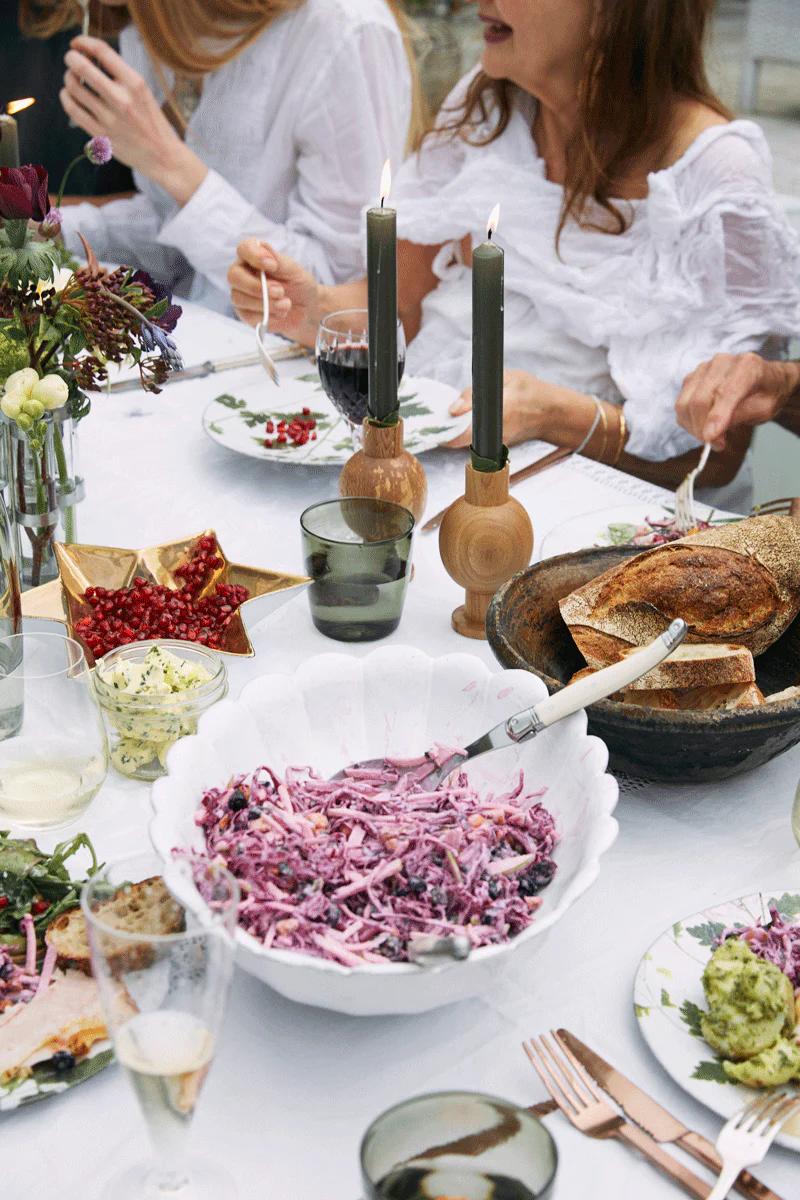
(99, 150)
(51, 225)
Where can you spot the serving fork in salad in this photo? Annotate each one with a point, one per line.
(435, 766)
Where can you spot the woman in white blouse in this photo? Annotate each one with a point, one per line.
(264, 117)
(639, 223)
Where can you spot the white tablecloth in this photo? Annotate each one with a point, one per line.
(294, 1088)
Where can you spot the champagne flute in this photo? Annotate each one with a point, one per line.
(163, 978)
(53, 746)
(343, 364)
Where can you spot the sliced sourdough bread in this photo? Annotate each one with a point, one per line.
(721, 697)
(734, 584)
(699, 664)
(145, 907)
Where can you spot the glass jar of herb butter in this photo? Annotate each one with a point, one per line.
(152, 694)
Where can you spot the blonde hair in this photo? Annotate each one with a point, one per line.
(177, 34)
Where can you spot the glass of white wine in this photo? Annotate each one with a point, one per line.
(53, 746)
(162, 943)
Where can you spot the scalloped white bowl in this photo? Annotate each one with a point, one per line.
(337, 709)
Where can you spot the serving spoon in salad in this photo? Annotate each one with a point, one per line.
(531, 721)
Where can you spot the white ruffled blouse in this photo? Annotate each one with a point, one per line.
(708, 264)
(295, 131)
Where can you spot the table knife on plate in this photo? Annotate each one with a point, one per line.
(212, 367)
(649, 1115)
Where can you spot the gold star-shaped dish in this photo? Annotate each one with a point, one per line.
(81, 567)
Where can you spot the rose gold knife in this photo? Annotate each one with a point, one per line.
(655, 1120)
(551, 459)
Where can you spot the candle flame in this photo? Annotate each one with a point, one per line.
(493, 222)
(15, 106)
(386, 182)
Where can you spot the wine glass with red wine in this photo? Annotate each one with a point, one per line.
(343, 364)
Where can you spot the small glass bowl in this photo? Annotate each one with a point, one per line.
(142, 728)
(460, 1144)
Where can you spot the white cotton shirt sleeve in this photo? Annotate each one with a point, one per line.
(726, 266)
(122, 231)
(357, 116)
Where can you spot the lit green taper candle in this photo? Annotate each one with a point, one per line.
(488, 452)
(382, 292)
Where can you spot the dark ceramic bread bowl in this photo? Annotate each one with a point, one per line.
(525, 630)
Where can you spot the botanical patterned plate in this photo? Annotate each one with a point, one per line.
(613, 526)
(668, 1000)
(45, 1082)
(238, 422)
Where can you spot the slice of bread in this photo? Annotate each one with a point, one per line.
(698, 665)
(721, 698)
(790, 693)
(146, 907)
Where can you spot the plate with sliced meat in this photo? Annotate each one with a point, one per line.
(52, 1031)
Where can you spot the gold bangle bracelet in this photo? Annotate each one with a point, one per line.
(623, 437)
(604, 421)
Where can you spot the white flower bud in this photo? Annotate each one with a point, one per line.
(33, 408)
(52, 392)
(11, 406)
(21, 382)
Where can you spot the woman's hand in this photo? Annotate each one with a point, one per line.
(734, 390)
(106, 97)
(293, 291)
(526, 409)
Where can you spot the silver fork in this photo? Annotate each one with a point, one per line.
(684, 496)
(261, 329)
(745, 1139)
(582, 1103)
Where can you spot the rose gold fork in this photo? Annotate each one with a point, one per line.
(582, 1103)
(787, 506)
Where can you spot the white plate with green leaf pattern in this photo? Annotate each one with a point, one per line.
(44, 1081)
(239, 421)
(668, 1001)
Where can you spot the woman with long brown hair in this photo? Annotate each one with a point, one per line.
(263, 117)
(639, 223)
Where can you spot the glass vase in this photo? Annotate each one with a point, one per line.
(43, 490)
(10, 615)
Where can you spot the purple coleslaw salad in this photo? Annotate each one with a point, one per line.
(350, 870)
(776, 942)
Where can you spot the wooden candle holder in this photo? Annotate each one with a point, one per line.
(386, 470)
(486, 537)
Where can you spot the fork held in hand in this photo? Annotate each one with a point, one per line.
(684, 496)
(582, 1102)
(745, 1139)
(262, 329)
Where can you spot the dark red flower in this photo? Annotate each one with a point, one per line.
(23, 193)
(167, 317)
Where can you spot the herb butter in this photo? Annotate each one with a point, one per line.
(150, 705)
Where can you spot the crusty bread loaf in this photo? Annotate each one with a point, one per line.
(144, 907)
(722, 697)
(699, 664)
(737, 583)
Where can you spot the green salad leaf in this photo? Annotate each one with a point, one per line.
(28, 875)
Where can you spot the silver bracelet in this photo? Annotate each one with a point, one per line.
(592, 429)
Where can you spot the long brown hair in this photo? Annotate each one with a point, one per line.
(643, 56)
(176, 33)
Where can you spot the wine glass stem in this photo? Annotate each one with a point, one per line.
(357, 436)
(168, 1183)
